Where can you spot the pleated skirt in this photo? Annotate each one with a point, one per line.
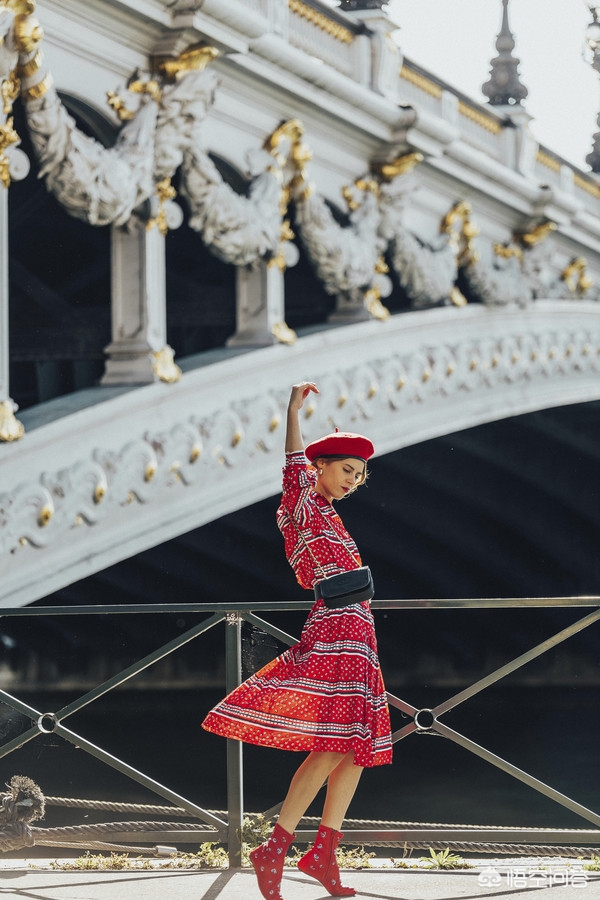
(324, 694)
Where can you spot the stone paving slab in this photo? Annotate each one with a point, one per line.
(487, 880)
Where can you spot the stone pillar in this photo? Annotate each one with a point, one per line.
(260, 307)
(13, 164)
(138, 353)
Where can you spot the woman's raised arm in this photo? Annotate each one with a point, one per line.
(293, 434)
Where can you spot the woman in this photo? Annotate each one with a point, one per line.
(325, 695)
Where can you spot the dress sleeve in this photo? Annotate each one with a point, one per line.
(299, 480)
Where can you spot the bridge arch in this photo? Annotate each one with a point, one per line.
(106, 473)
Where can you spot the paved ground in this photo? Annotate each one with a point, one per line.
(491, 879)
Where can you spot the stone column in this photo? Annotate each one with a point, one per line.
(13, 164)
(260, 307)
(138, 353)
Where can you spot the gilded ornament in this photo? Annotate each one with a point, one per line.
(549, 161)
(479, 117)
(9, 91)
(576, 277)
(462, 239)
(149, 472)
(457, 298)
(10, 427)
(195, 453)
(426, 375)
(44, 515)
(291, 130)
(590, 187)
(399, 166)
(36, 91)
(194, 59)
(8, 137)
(283, 333)
(164, 366)
(237, 437)
(100, 492)
(337, 31)
(425, 84)
(26, 70)
(165, 191)
(374, 306)
(507, 251)
(27, 32)
(152, 88)
(274, 423)
(535, 235)
(117, 104)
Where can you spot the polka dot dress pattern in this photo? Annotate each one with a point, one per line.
(326, 693)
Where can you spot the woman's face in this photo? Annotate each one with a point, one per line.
(337, 477)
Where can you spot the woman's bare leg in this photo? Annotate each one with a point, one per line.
(316, 769)
(341, 788)
(305, 785)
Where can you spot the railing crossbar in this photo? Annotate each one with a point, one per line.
(139, 666)
(517, 663)
(275, 632)
(78, 741)
(517, 773)
(293, 605)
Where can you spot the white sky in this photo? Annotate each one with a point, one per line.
(455, 39)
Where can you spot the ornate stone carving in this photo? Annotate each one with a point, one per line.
(238, 229)
(93, 183)
(196, 450)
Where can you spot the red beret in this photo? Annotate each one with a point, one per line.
(341, 443)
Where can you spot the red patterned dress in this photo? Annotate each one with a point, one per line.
(325, 693)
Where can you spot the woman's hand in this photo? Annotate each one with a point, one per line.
(300, 392)
(293, 435)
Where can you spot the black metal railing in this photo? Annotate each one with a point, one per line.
(227, 829)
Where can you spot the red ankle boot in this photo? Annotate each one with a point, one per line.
(320, 862)
(268, 860)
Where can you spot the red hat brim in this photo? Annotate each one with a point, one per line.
(341, 443)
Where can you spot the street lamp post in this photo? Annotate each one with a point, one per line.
(592, 39)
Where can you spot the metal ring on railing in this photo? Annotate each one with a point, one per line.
(424, 720)
(47, 722)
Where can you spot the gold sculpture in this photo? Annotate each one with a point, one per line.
(576, 277)
(194, 59)
(400, 166)
(10, 427)
(536, 234)
(164, 366)
(165, 191)
(8, 136)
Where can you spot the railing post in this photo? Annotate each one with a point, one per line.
(235, 768)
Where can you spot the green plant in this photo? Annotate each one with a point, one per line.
(347, 857)
(443, 859)
(593, 865)
(209, 856)
(95, 861)
(255, 831)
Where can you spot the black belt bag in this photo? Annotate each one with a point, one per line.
(346, 588)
